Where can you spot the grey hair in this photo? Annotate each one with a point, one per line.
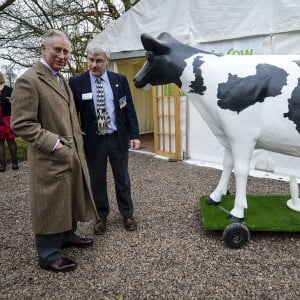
(50, 34)
(95, 47)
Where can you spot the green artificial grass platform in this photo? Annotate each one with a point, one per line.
(264, 213)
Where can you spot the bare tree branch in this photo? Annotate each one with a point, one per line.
(129, 3)
(6, 4)
(23, 22)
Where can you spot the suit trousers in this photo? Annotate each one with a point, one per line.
(107, 147)
(48, 245)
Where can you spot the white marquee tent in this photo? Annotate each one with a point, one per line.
(208, 21)
(228, 26)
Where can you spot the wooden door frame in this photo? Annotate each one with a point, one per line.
(166, 135)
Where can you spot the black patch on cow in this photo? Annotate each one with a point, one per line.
(239, 93)
(166, 60)
(197, 85)
(294, 107)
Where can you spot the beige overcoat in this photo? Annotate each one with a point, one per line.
(43, 110)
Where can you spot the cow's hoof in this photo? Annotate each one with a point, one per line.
(210, 201)
(234, 219)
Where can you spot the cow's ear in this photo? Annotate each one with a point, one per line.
(154, 45)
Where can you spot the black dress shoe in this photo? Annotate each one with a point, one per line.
(79, 243)
(130, 224)
(100, 227)
(62, 265)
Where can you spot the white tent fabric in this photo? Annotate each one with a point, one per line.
(201, 21)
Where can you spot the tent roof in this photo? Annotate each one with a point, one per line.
(200, 21)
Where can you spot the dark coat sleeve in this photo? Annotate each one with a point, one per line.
(5, 103)
(126, 119)
(131, 121)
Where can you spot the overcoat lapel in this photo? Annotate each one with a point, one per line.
(115, 86)
(47, 77)
(88, 89)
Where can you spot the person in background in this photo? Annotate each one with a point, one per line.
(6, 133)
(109, 125)
(44, 114)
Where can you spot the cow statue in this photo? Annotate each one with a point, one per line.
(249, 102)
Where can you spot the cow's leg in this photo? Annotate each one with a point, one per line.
(216, 196)
(242, 156)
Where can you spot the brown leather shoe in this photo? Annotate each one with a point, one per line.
(79, 243)
(130, 224)
(62, 265)
(100, 227)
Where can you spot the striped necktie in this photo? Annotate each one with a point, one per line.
(102, 115)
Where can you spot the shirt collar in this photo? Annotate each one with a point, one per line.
(43, 61)
(104, 77)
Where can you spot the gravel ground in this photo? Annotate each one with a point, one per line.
(170, 256)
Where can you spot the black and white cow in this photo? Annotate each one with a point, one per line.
(247, 101)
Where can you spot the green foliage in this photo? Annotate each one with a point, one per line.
(22, 150)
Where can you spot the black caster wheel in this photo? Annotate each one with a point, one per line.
(236, 235)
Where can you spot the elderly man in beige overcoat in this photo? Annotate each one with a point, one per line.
(44, 114)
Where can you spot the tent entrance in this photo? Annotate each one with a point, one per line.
(158, 112)
(166, 121)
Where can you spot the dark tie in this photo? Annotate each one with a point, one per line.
(59, 79)
(102, 115)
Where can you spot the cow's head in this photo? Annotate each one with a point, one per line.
(165, 60)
